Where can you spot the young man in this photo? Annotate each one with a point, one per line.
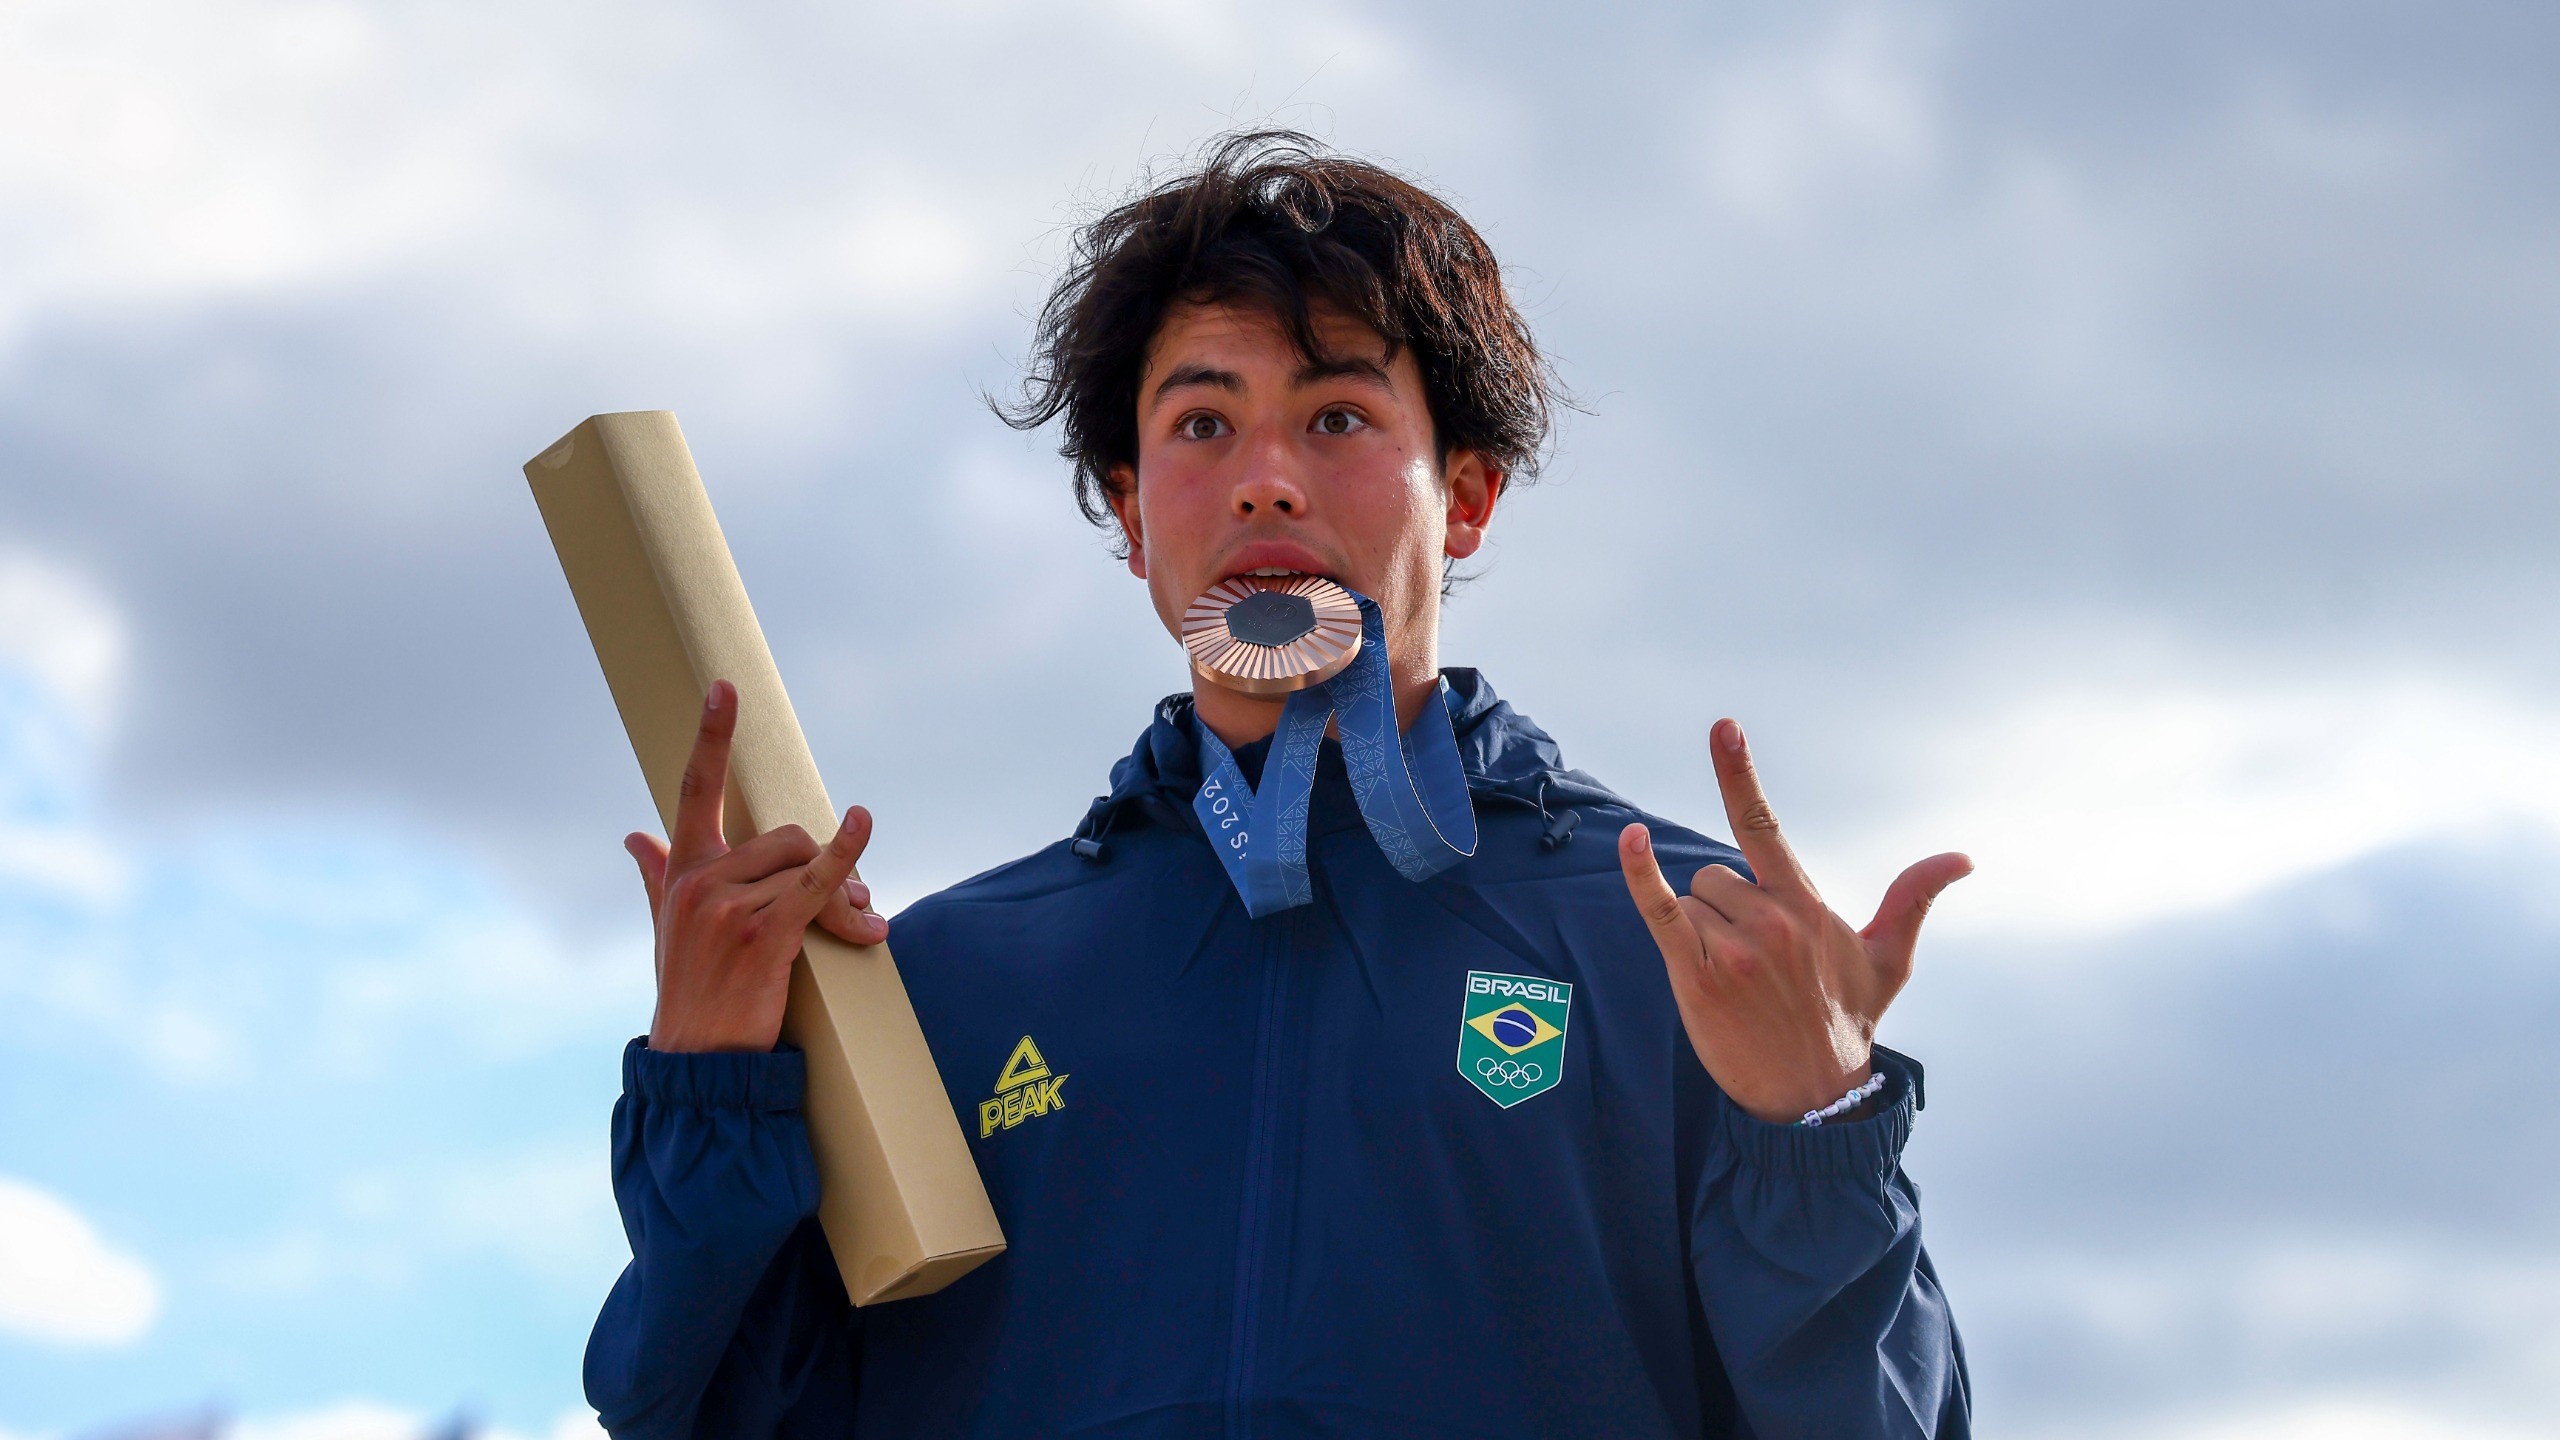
(1211, 1088)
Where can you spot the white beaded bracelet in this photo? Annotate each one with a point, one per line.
(1846, 1103)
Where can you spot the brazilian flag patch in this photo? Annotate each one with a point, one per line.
(1511, 1035)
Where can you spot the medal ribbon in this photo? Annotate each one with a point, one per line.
(1411, 788)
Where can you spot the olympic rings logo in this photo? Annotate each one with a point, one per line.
(1509, 1072)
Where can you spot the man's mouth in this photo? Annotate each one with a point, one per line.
(1276, 577)
(1267, 560)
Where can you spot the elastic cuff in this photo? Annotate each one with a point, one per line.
(724, 1080)
(1872, 1146)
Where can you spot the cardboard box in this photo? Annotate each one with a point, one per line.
(903, 1207)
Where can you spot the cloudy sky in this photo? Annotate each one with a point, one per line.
(2115, 439)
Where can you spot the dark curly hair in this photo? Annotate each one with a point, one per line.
(1274, 219)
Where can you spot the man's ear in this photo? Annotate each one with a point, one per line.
(1123, 495)
(1473, 487)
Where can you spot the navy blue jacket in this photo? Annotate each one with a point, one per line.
(1247, 1188)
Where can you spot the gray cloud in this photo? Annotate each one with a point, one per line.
(1895, 324)
(2290, 1144)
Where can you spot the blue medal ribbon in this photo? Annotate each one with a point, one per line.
(1411, 788)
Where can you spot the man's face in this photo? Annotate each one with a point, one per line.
(1251, 459)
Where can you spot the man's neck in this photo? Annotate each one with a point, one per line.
(1240, 719)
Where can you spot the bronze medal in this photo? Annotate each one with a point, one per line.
(1271, 635)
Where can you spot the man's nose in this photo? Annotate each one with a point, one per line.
(1269, 485)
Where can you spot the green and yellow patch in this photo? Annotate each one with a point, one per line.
(1511, 1035)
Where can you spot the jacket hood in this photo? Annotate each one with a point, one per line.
(1507, 758)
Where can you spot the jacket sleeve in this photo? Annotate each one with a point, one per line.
(1822, 1305)
(730, 1320)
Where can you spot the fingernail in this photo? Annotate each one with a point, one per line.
(1733, 736)
(1644, 842)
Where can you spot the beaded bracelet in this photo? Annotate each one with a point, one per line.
(1846, 1103)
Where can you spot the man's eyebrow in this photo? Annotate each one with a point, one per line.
(1344, 367)
(1182, 376)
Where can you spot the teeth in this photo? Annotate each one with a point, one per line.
(1272, 572)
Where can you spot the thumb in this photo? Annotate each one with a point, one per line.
(1895, 931)
(650, 853)
(1655, 900)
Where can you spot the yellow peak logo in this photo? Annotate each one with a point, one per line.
(1024, 1088)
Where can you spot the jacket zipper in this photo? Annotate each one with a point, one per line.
(1253, 1221)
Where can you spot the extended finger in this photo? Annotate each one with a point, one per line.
(695, 836)
(650, 853)
(1755, 823)
(801, 895)
(1655, 900)
(825, 875)
(1895, 932)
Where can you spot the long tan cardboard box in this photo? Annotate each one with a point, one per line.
(902, 1204)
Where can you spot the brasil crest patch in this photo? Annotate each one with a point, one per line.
(1511, 1035)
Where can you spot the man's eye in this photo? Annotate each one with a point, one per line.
(1202, 427)
(1338, 422)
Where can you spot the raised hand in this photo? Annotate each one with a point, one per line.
(729, 921)
(1779, 996)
